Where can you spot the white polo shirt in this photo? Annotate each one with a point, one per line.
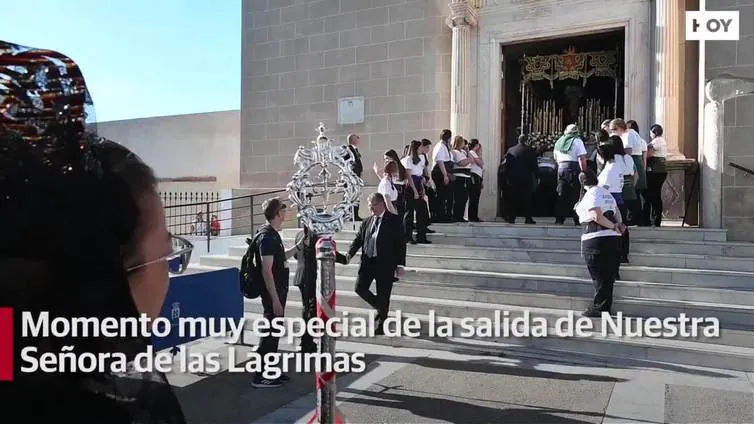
(440, 153)
(577, 149)
(414, 169)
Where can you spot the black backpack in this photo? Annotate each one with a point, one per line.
(251, 279)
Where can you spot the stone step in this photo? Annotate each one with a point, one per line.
(452, 270)
(667, 260)
(730, 316)
(610, 347)
(638, 245)
(495, 229)
(569, 231)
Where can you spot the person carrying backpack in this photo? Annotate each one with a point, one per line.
(265, 274)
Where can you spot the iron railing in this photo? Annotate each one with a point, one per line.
(741, 168)
(220, 217)
(233, 216)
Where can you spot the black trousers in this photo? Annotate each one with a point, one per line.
(432, 205)
(475, 192)
(625, 242)
(400, 201)
(269, 344)
(460, 197)
(373, 270)
(309, 312)
(518, 200)
(652, 212)
(601, 257)
(444, 194)
(569, 191)
(418, 208)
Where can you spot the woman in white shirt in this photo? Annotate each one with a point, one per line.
(602, 220)
(401, 180)
(462, 177)
(620, 179)
(657, 153)
(415, 163)
(633, 146)
(430, 194)
(387, 187)
(477, 173)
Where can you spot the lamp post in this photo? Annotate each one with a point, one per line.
(325, 170)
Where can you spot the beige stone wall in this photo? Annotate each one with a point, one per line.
(180, 146)
(736, 58)
(301, 56)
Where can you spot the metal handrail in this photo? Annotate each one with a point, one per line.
(741, 168)
(211, 208)
(181, 217)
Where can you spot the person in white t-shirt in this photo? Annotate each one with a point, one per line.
(461, 177)
(570, 154)
(477, 177)
(602, 220)
(430, 194)
(619, 177)
(401, 181)
(386, 187)
(415, 162)
(442, 176)
(632, 143)
(656, 174)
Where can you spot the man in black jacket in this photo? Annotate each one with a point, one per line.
(306, 280)
(357, 167)
(382, 243)
(521, 172)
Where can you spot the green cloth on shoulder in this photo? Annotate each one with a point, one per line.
(564, 143)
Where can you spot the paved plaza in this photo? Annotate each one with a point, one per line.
(418, 381)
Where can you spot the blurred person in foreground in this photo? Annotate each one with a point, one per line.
(89, 240)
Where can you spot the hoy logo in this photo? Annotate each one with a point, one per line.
(712, 25)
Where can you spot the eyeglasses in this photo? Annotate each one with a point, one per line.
(178, 260)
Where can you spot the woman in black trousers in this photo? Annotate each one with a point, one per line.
(477, 177)
(461, 177)
(415, 162)
(657, 152)
(602, 220)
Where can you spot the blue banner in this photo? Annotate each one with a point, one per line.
(211, 294)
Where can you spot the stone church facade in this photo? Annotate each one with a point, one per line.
(425, 65)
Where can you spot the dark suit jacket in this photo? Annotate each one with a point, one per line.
(307, 267)
(521, 165)
(391, 241)
(357, 167)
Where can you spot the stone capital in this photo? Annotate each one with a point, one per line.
(724, 87)
(461, 14)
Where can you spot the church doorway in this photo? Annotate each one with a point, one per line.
(549, 84)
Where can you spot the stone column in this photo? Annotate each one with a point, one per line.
(712, 150)
(669, 38)
(462, 18)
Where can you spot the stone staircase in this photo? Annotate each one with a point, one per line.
(473, 270)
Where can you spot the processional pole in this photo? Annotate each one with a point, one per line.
(314, 177)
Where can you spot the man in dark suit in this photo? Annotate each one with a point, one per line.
(357, 167)
(521, 172)
(382, 243)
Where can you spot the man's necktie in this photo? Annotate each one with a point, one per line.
(372, 240)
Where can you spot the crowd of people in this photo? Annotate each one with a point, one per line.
(428, 183)
(642, 193)
(54, 165)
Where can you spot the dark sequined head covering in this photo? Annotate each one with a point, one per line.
(66, 215)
